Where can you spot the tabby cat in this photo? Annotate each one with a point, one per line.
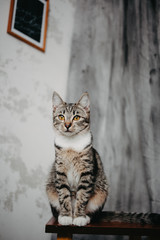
(77, 187)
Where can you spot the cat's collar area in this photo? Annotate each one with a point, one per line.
(77, 143)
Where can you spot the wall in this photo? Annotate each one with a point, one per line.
(27, 79)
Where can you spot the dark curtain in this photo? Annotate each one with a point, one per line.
(115, 57)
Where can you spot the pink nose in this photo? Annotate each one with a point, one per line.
(67, 125)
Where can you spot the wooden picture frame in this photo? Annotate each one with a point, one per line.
(28, 21)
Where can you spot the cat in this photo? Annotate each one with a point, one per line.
(77, 186)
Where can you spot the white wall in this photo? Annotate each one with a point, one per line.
(27, 79)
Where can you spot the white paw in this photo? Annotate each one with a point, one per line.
(65, 220)
(88, 219)
(81, 221)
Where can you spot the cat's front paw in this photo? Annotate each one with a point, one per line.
(64, 220)
(81, 221)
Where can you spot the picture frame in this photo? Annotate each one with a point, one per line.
(28, 20)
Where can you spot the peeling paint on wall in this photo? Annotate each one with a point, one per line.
(10, 153)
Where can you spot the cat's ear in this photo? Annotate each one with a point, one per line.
(84, 101)
(56, 100)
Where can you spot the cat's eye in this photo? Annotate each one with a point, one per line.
(76, 118)
(61, 117)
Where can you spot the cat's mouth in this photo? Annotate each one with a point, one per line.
(67, 130)
(68, 133)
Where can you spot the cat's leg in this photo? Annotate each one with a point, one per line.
(64, 197)
(65, 216)
(80, 217)
(84, 191)
(96, 202)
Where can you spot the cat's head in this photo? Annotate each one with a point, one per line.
(71, 118)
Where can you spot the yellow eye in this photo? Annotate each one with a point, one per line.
(76, 118)
(61, 117)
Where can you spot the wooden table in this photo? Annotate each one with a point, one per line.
(102, 227)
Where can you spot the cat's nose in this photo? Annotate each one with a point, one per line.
(67, 125)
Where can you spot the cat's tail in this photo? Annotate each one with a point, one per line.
(142, 218)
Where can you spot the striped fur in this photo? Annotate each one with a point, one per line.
(77, 186)
(133, 217)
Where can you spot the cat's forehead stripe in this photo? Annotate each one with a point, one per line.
(69, 107)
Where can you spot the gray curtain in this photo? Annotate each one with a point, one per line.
(115, 57)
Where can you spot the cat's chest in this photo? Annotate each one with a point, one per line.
(73, 177)
(72, 165)
(77, 143)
